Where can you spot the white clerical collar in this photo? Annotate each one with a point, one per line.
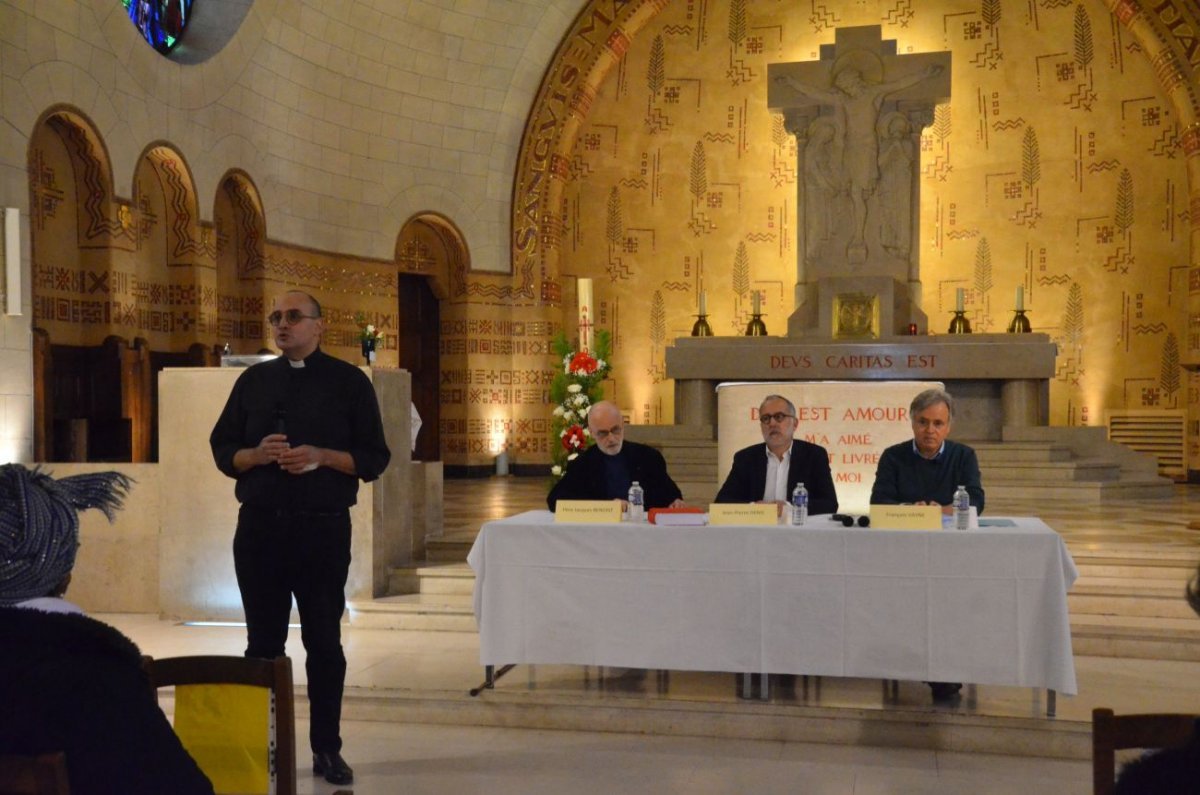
(296, 362)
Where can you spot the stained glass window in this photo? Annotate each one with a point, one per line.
(161, 22)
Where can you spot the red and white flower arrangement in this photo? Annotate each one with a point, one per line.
(575, 389)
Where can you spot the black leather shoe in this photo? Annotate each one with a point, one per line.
(945, 692)
(331, 765)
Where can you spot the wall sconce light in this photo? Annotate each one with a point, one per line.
(12, 260)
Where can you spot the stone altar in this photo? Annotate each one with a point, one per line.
(998, 380)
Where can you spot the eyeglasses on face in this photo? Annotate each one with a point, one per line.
(614, 432)
(292, 316)
(778, 416)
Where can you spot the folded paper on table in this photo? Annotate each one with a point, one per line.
(587, 511)
(906, 517)
(742, 513)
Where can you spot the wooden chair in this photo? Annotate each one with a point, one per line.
(1111, 733)
(274, 675)
(44, 774)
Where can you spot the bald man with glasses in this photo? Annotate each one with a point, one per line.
(768, 472)
(606, 469)
(297, 434)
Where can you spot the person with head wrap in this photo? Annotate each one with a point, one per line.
(68, 682)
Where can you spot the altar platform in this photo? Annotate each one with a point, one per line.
(397, 678)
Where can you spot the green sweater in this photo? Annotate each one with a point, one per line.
(903, 476)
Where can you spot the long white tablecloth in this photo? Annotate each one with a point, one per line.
(986, 606)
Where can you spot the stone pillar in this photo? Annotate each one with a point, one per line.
(1020, 404)
(695, 402)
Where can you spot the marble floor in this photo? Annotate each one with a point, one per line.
(411, 727)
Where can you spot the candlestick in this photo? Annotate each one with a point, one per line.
(703, 305)
(958, 300)
(583, 291)
(1020, 297)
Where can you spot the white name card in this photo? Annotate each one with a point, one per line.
(906, 517)
(741, 513)
(587, 511)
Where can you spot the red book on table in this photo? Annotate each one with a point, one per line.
(678, 516)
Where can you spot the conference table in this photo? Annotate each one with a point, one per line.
(987, 605)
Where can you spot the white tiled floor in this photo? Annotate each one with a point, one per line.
(394, 757)
(391, 758)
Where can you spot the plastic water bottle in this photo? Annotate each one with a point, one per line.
(962, 509)
(799, 504)
(637, 503)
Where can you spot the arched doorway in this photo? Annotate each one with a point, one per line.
(430, 254)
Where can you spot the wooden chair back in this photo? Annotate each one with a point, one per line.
(43, 774)
(275, 675)
(1111, 733)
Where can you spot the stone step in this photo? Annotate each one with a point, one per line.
(1139, 638)
(688, 470)
(1050, 472)
(1129, 601)
(1086, 492)
(692, 456)
(697, 492)
(443, 579)
(1151, 573)
(995, 454)
(670, 434)
(450, 548)
(411, 612)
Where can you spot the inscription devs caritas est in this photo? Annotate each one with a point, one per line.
(883, 361)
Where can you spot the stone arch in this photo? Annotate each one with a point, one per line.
(75, 225)
(429, 244)
(432, 263)
(595, 43)
(163, 179)
(167, 254)
(239, 251)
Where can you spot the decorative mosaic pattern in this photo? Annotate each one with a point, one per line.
(1058, 166)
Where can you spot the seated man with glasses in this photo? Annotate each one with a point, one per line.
(606, 469)
(768, 473)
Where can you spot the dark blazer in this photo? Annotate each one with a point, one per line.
(584, 479)
(809, 464)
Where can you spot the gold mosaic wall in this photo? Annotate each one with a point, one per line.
(1060, 164)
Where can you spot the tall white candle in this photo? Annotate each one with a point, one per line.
(756, 302)
(958, 300)
(583, 291)
(1020, 297)
(703, 305)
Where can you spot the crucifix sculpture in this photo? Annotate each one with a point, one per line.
(857, 114)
